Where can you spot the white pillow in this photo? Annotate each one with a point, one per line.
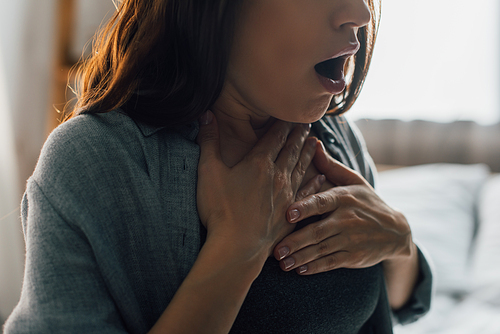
(486, 253)
(438, 202)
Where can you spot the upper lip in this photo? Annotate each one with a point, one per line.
(348, 51)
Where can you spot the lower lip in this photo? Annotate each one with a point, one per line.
(332, 86)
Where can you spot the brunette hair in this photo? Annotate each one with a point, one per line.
(163, 62)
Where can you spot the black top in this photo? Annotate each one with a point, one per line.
(342, 301)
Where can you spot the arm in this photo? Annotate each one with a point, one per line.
(211, 295)
(60, 269)
(401, 275)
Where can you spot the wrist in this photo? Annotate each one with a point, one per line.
(406, 248)
(408, 254)
(401, 275)
(231, 253)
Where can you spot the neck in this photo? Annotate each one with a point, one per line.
(240, 128)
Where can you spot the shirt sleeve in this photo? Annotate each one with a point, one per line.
(63, 290)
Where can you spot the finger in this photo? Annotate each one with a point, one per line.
(312, 234)
(336, 172)
(316, 204)
(208, 139)
(312, 253)
(330, 262)
(305, 160)
(312, 187)
(273, 141)
(294, 147)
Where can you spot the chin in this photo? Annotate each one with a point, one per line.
(309, 112)
(315, 113)
(304, 118)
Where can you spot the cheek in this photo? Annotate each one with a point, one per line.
(272, 69)
(294, 96)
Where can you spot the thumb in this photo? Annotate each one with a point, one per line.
(336, 172)
(208, 138)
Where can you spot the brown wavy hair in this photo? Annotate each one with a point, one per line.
(164, 62)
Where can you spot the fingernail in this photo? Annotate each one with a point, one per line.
(307, 127)
(322, 146)
(288, 262)
(206, 118)
(283, 251)
(302, 269)
(293, 215)
(321, 179)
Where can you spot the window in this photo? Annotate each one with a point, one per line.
(436, 60)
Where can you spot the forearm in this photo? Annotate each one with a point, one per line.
(210, 297)
(401, 275)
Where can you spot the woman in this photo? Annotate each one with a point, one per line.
(112, 212)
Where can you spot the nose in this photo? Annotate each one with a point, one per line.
(352, 13)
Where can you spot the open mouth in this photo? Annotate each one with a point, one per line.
(332, 68)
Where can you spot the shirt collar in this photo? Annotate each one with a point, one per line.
(189, 131)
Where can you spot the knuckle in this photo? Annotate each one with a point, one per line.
(293, 149)
(262, 163)
(300, 169)
(322, 202)
(351, 216)
(301, 194)
(323, 248)
(358, 260)
(208, 136)
(351, 199)
(288, 196)
(343, 192)
(347, 197)
(280, 180)
(331, 262)
(281, 137)
(318, 232)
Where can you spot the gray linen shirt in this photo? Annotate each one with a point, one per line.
(111, 226)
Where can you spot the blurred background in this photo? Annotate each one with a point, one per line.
(432, 96)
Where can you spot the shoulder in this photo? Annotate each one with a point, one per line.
(86, 137)
(99, 153)
(90, 152)
(99, 131)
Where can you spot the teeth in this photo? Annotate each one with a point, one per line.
(331, 68)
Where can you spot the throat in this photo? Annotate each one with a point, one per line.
(239, 130)
(233, 150)
(237, 139)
